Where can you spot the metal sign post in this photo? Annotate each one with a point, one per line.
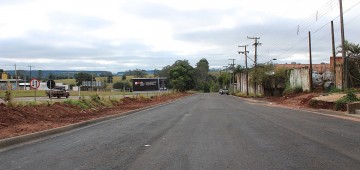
(50, 84)
(34, 84)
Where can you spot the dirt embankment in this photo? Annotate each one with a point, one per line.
(310, 100)
(19, 120)
(301, 100)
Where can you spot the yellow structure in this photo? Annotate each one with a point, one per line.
(4, 76)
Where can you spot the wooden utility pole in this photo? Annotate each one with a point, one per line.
(226, 73)
(16, 78)
(255, 60)
(333, 50)
(233, 73)
(29, 77)
(345, 66)
(310, 68)
(246, 67)
(30, 71)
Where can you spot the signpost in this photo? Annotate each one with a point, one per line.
(50, 84)
(34, 84)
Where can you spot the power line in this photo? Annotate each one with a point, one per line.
(313, 33)
(307, 23)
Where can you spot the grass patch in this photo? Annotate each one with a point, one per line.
(82, 103)
(335, 90)
(240, 94)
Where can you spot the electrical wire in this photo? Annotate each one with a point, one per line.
(315, 32)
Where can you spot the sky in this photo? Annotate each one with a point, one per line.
(120, 35)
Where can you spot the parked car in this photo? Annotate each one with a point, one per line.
(58, 91)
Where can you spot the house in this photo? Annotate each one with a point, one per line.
(6, 83)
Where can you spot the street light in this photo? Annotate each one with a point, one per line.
(270, 60)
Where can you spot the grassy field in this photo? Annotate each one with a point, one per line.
(30, 93)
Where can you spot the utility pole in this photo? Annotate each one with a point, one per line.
(29, 77)
(233, 62)
(310, 68)
(226, 73)
(255, 44)
(255, 60)
(246, 67)
(345, 66)
(233, 73)
(333, 50)
(30, 71)
(16, 78)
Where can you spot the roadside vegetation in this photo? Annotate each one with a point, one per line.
(41, 93)
(348, 98)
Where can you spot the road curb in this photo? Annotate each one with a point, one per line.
(38, 135)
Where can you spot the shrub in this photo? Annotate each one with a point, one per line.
(349, 97)
(215, 88)
(95, 98)
(293, 90)
(240, 94)
(298, 90)
(313, 102)
(8, 97)
(334, 90)
(80, 103)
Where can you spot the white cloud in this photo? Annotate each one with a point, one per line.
(120, 35)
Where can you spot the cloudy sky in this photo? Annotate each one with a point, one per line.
(118, 35)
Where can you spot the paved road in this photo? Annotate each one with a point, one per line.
(204, 131)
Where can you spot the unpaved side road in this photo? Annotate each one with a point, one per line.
(204, 131)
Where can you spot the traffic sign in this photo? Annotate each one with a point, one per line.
(50, 84)
(34, 83)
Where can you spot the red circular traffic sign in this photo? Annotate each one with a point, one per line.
(34, 83)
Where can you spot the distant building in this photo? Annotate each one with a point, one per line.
(4, 76)
(320, 68)
(7, 84)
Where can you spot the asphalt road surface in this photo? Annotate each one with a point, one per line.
(204, 131)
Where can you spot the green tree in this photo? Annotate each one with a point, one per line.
(224, 80)
(182, 76)
(110, 78)
(165, 71)
(351, 49)
(40, 74)
(138, 73)
(121, 84)
(352, 52)
(156, 72)
(82, 76)
(201, 74)
(261, 73)
(51, 76)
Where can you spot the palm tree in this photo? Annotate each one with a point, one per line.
(352, 51)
